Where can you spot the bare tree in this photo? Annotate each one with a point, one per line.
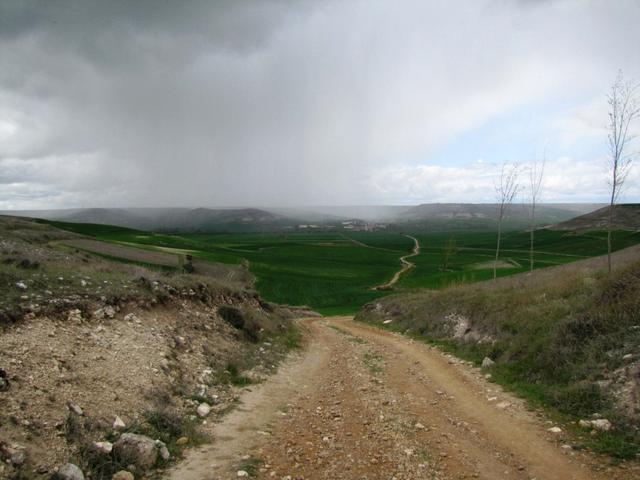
(449, 250)
(506, 189)
(536, 174)
(624, 109)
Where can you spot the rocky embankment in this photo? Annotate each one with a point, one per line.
(111, 370)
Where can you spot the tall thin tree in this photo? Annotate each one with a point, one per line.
(624, 109)
(536, 174)
(506, 189)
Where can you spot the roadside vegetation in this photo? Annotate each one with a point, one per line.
(566, 339)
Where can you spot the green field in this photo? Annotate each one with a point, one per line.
(334, 273)
(474, 253)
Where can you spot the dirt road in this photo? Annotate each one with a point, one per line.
(361, 403)
(406, 265)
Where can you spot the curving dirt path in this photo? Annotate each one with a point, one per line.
(406, 265)
(362, 403)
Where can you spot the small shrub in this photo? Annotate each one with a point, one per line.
(232, 316)
(100, 465)
(188, 268)
(290, 338)
(615, 444)
(168, 425)
(250, 465)
(73, 428)
(580, 399)
(28, 264)
(252, 329)
(235, 378)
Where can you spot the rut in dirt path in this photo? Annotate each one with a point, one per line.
(362, 403)
(406, 265)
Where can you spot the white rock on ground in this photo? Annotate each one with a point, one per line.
(18, 458)
(74, 408)
(487, 362)
(103, 447)
(138, 450)
(123, 475)
(70, 471)
(601, 424)
(554, 430)
(203, 410)
(131, 317)
(118, 424)
(163, 450)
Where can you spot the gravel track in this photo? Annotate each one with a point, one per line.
(362, 403)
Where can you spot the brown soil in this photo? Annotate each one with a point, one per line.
(362, 403)
(124, 252)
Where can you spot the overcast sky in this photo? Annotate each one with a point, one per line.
(279, 103)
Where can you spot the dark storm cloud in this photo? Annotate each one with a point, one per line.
(274, 102)
(90, 25)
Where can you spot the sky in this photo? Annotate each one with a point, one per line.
(293, 103)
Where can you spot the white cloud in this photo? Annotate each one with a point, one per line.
(584, 123)
(56, 182)
(565, 180)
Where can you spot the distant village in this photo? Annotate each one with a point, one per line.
(350, 225)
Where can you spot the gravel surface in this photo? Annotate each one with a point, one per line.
(362, 403)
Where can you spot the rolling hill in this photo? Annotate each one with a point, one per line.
(193, 220)
(424, 218)
(480, 216)
(625, 217)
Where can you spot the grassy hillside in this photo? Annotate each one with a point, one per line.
(565, 338)
(625, 217)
